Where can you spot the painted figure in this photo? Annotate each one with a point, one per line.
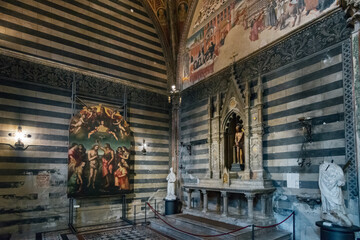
(79, 173)
(107, 163)
(161, 13)
(121, 177)
(182, 11)
(93, 157)
(310, 5)
(102, 129)
(73, 159)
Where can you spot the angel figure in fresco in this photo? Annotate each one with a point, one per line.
(107, 163)
(102, 129)
(121, 177)
(75, 127)
(93, 157)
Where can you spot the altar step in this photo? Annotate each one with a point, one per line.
(205, 226)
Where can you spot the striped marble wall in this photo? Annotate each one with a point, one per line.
(114, 38)
(194, 132)
(310, 88)
(298, 81)
(103, 46)
(34, 182)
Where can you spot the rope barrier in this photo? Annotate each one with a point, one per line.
(217, 235)
(193, 234)
(277, 224)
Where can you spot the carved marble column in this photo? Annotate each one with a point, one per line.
(225, 203)
(250, 198)
(205, 201)
(247, 94)
(214, 133)
(256, 157)
(264, 210)
(188, 202)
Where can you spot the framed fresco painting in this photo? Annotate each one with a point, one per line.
(99, 153)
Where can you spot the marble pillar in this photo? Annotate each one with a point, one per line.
(188, 202)
(205, 201)
(225, 203)
(264, 211)
(250, 198)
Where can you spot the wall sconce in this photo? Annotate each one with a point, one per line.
(19, 137)
(306, 127)
(143, 147)
(174, 94)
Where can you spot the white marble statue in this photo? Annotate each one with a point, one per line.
(171, 178)
(331, 179)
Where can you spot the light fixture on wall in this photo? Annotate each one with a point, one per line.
(143, 147)
(174, 95)
(19, 137)
(306, 127)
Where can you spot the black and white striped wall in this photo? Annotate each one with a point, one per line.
(105, 46)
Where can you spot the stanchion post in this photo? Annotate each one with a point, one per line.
(134, 215)
(155, 209)
(145, 213)
(253, 232)
(293, 225)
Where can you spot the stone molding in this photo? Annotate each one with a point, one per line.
(21, 68)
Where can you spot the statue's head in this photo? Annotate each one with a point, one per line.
(171, 169)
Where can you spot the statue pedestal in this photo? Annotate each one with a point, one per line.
(335, 232)
(236, 167)
(171, 206)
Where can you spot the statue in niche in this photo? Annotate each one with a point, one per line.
(171, 178)
(331, 179)
(239, 146)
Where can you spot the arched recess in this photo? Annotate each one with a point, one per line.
(230, 122)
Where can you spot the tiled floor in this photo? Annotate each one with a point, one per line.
(105, 233)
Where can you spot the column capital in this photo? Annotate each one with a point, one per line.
(204, 191)
(250, 196)
(264, 195)
(188, 190)
(223, 193)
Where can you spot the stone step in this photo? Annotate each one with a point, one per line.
(202, 226)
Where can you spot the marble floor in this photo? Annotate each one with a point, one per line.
(119, 232)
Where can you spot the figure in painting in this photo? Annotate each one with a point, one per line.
(75, 127)
(93, 157)
(272, 14)
(73, 159)
(102, 129)
(239, 145)
(107, 163)
(331, 179)
(182, 11)
(161, 14)
(324, 4)
(171, 178)
(121, 177)
(310, 5)
(79, 173)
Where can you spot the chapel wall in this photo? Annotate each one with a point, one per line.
(309, 83)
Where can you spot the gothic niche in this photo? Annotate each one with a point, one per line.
(234, 158)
